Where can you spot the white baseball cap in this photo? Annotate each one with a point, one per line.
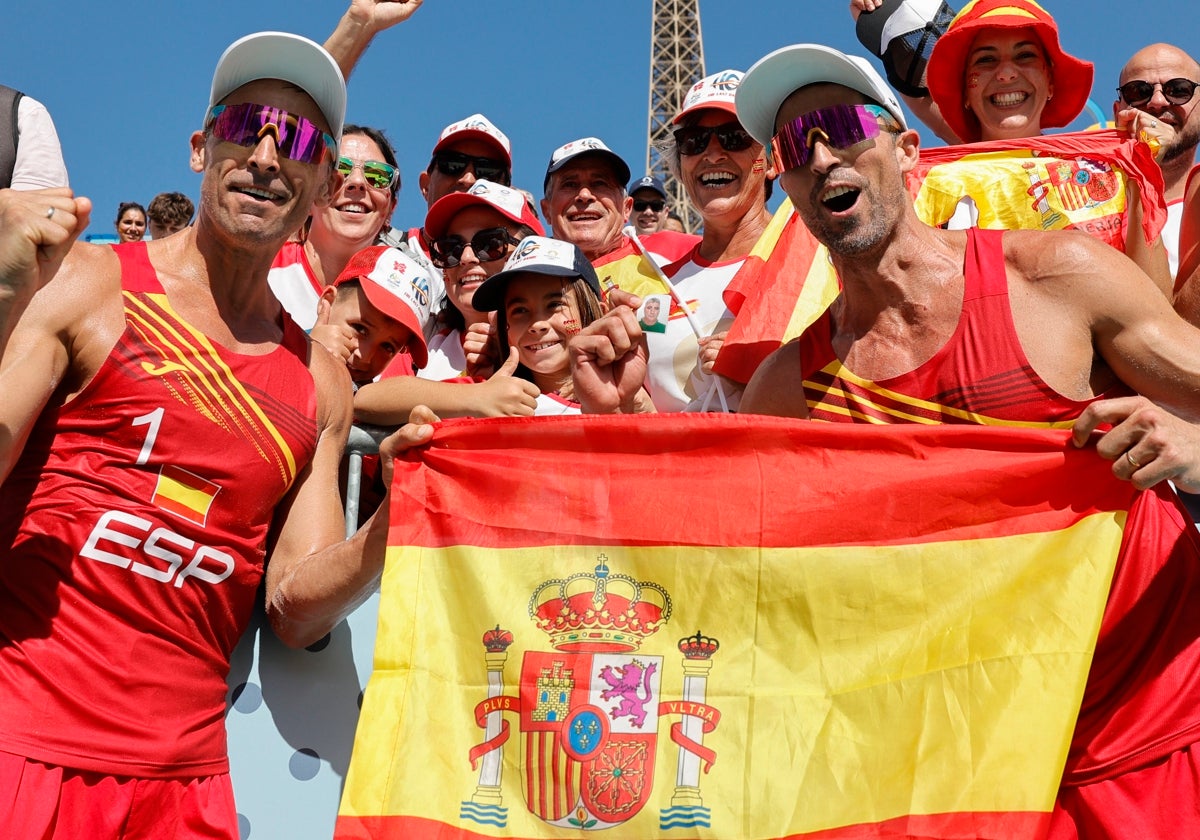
(479, 127)
(292, 58)
(567, 152)
(715, 91)
(776, 76)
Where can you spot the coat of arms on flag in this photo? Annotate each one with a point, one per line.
(590, 709)
(733, 628)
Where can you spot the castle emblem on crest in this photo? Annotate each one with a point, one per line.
(590, 710)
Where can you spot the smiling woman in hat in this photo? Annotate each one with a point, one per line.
(728, 180)
(995, 71)
(1000, 73)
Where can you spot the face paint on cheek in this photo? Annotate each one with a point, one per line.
(571, 327)
(760, 166)
(972, 81)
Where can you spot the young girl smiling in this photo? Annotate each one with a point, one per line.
(546, 293)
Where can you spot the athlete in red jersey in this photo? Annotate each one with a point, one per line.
(164, 427)
(1026, 328)
(1023, 327)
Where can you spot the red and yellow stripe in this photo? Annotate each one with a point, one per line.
(906, 615)
(193, 369)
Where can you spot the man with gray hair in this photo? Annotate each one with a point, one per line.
(165, 425)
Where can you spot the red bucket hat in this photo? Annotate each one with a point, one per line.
(1072, 77)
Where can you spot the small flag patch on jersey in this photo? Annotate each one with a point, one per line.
(184, 494)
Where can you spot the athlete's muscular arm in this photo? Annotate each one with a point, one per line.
(315, 577)
(1099, 312)
(37, 229)
(775, 389)
(60, 337)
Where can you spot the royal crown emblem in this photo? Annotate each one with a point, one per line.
(590, 709)
(599, 611)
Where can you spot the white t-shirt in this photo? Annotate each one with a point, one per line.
(446, 357)
(295, 285)
(1170, 233)
(39, 163)
(674, 378)
(550, 405)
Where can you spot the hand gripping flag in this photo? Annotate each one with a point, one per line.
(731, 627)
(1063, 181)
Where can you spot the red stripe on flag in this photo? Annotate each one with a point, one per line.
(845, 492)
(965, 825)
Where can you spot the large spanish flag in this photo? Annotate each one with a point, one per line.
(1075, 181)
(731, 627)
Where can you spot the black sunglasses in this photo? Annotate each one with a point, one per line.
(490, 244)
(1176, 91)
(455, 164)
(693, 139)
(641, 205)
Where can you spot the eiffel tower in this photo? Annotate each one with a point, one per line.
(676, 63)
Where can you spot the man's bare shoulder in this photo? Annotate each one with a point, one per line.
(83, 295)
(335, 394)
(776, 387)
(1058, 255)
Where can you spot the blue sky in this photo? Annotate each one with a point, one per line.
(127, 83)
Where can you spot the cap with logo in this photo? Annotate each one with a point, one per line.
(648, 182)
(508, 202)
(586, 146)
(398, 286)
(715, 91)
(535, 255)
(290, 58)
(779, 74)
(476, 127)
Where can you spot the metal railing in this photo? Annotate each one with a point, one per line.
(363, 440)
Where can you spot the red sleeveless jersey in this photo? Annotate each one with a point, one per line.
(1142, 699)
(981, 375)
(133, 530)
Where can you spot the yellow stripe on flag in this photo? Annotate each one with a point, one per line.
(184, 493)
(955, 667)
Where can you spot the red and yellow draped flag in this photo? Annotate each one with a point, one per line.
(1063, 181)
(731, 627)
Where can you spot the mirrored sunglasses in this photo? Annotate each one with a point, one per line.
(694, 139)
(839, 127)
(246, 123)
(642, 205)
(1176, 91)
(378, 174)
(455, 164)
(490, 244)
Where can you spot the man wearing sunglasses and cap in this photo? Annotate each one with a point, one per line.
(1157, 97)
(1025, 327)
(165, 424)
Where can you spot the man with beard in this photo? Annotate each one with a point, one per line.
(999, 327)
(165, 427)
(1157, 95)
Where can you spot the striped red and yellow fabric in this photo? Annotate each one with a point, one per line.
(731, 627)
(1071, 181)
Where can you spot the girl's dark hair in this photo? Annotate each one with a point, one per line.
(380, 139)
(128, 205)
